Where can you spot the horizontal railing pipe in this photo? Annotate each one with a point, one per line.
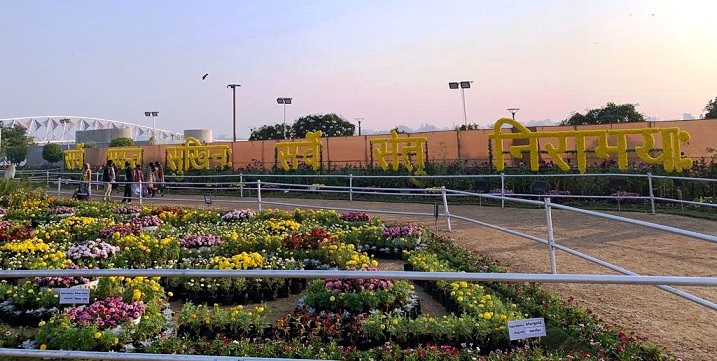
(592, 259)
(395, 275)
(682, 232)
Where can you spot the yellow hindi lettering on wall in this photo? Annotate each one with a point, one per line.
(611, 143)
(133, 155)
(395, 150)
(195, 155)
(308, 150)
(75, 158)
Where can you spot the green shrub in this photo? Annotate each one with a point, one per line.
(122, 142)
(52, 153)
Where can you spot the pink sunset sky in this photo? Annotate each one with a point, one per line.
(388, 62)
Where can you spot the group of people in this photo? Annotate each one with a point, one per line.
(136, 182)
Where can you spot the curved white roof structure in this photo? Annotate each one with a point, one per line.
(48, 128)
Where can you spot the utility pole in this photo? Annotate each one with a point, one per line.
(234, 108)
(359, 120)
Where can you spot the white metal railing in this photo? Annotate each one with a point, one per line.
(552, 246)
(394, 275)
(444, 194)
(550, 237)
(230, 181)
(258, 186)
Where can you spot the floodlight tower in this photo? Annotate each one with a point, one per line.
(463, 85)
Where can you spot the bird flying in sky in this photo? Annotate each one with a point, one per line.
(205, 76)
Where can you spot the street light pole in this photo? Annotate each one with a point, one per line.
(284, 101)
(465, 84)
(234, 108)
(359, 123)
(64, 122)
(513, 111)
(154, 124)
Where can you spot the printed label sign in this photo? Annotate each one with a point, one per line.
(74, 295)
(526, 328)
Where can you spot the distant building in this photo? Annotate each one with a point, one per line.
(687, 116)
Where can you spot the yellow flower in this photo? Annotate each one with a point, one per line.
(170, 294)
(43, 347)
(332, 298)
(98, 334)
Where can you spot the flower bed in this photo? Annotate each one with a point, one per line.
(368, 318)
(238, 215)
(146, 221)
(63, 211)
(207, 240)
(128, 210)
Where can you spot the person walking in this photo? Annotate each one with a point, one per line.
(128, 178)
(160, 176)
(151, 179)
(109, 177)
(85, 182)
(137, 178)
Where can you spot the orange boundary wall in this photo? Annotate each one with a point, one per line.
(471, 145)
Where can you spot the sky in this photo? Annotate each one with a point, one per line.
(386, 61)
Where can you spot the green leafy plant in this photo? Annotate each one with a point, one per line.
(52, 153)
(122, 142)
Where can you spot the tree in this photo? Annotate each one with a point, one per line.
(609, 114)
(331, 125)
(268, 132)
(122, 142)
(52, 153)
(711, 109)
(15, 143)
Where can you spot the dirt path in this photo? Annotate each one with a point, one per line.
(686, 329)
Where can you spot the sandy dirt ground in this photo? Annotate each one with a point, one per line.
(686, 329)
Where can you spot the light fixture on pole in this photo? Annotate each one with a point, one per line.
(64, 122)
(284, 101)
(462, 85)
(154, 124)
(234, 108)
(359, 120)
(513, 111)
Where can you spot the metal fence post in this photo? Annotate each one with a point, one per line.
(47, 178)
(502, 190)
(652, 194)
(445, 207)
(59, 186)
(258, 194)
(351, 187)
(241, 185)
(679, 196)
(140, 192)
(551, 238)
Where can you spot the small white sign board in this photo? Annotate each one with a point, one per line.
(74, 295)
(526, 328)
